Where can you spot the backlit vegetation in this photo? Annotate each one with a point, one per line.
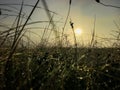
(25, 65)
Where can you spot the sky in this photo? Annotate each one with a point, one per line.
(82, 14)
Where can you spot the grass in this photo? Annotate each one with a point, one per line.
(25, 65)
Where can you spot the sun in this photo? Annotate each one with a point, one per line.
(78, 31)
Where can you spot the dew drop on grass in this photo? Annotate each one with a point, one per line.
(106, 65)
(23, 74)
(29, 70)
(80, 69)
(80, 78)
(106, 70)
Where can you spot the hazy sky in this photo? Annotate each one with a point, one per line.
(82, 14)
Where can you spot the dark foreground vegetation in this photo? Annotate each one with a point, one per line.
(56, 69)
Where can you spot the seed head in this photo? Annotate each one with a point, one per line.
(98, 1)
(71, 24)
(70, 2)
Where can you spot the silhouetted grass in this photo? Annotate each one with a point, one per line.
(25, 65)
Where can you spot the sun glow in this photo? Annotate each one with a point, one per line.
(78, 31)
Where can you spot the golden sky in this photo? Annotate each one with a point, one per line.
(82, 14)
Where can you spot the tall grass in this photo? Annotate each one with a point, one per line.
(25, 65)
(107, 5)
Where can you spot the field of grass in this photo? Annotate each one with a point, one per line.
(56, 69)
(42, 66)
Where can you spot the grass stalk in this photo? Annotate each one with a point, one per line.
(93, 33)
(75, 41)
(9, 79)
(70, 1)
